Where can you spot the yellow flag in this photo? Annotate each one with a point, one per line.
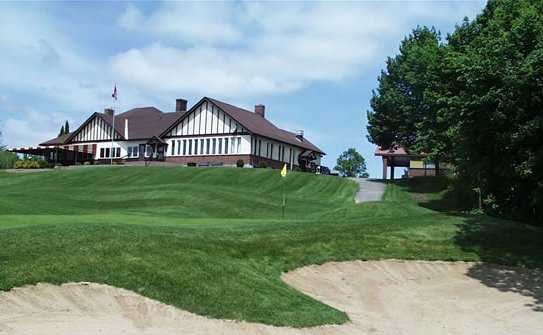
(284, 171)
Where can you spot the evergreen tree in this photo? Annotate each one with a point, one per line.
(66, 127)
(61, 131)
(401, 112)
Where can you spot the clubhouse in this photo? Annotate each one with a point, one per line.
(210, 133)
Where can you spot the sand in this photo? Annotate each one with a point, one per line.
(380, 297)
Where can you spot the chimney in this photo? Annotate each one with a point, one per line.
(180, 105)
(126, 129)
(108, 111)
(300, 135)
(260, 110)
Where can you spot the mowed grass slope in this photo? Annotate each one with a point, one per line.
(211, 241)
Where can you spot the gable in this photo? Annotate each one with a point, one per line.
(205, 118)
(93, 130)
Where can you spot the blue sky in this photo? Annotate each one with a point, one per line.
(313, 64)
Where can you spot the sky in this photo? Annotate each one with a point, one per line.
(313, 64)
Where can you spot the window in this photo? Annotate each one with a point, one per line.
(214, 146)
(267, 149)
(271, 151)
(179, 148)
(239, 145)
(102, 153)
(190, 147)
(259, 147)
(196, 147)
(226, 145)
(220, 146)
(118, 152)
(107, 152)
(233, 146)
(184, 147)
(208, 141)
(201, 146)
(283, 153)
(173, 148)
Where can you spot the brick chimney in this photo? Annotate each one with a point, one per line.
(260, 110)
(300, 135)
(180, 105)
(108, 111)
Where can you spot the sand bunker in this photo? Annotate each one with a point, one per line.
(382, 297)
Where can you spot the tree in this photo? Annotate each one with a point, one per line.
(491, 95)
(476, 101)
(61, 131)
(402, 114)
(66, 127)
(350, 163)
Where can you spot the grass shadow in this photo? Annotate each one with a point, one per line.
(497, 241)
(440, 194)
(492, 240)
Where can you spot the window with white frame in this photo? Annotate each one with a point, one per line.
(132, 151)
(238, 150)
(226, 145)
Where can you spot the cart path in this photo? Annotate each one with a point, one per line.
(369, 190)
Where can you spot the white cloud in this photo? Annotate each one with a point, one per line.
(248, 49)
(187, 21)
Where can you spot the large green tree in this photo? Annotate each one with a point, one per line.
(401, 111)
(351, 163)
(476, 100)
(491, 97)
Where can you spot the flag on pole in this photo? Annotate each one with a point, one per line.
(284, 171)
(114, 95)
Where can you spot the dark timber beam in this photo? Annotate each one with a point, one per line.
(385, 166)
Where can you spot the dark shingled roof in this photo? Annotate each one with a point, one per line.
(256, 124)
(143, 123)
(57, 140)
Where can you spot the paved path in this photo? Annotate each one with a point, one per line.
(369, 190)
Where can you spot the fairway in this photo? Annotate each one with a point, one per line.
(211, 241)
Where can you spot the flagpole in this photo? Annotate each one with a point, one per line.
(114, 96)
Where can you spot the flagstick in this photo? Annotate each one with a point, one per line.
(284, 200)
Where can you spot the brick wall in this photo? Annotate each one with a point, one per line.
(212, 159)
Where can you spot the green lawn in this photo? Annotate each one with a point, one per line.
(212, 241)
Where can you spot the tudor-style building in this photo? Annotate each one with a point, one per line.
(211, 133)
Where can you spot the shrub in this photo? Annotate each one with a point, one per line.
(262, 165)
(240, 163)
(31, 164)
(7, 159)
